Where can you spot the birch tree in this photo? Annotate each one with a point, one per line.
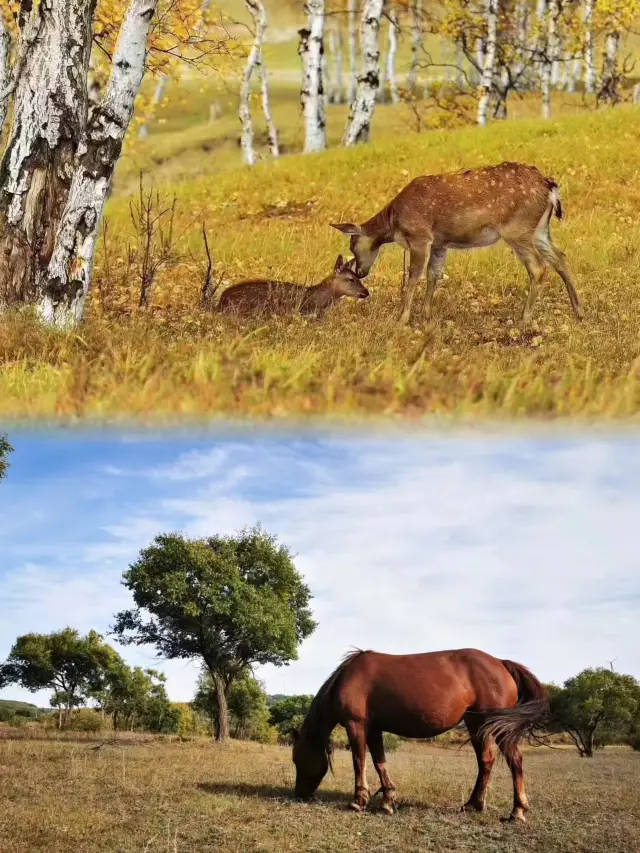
(489, 67)
(392, 53)
(550, 55)
(336, 95)
(312, 94)
(416, 43)
(353, 51)
(589, 47)
(256, 62)
(60, 155)
(363, 107)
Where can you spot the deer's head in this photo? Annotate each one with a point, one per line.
(345, 282)
(363, 247)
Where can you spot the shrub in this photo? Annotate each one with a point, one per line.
(86, 720)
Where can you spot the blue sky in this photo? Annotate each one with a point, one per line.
(526, 548)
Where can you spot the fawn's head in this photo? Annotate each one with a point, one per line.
(363, 247)
(344, 281)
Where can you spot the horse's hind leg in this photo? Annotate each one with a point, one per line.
(356, 732)
(376, 748)
(486, 758)
(513, 757)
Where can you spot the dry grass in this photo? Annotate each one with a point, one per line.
(175, 361)
(199, 797)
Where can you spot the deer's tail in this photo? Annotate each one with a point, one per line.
(554, 197)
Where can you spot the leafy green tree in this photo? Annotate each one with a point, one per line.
(5, 450)
(232, 601)
(135, 696)
(595, 707)
(288, 713)
(247, 704)
(65, 662)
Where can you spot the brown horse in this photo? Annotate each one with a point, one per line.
(420, 696)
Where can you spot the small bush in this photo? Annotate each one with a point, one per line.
(86, 720)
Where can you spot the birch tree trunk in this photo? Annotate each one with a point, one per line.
(68, 274)
(244, 107)
(353, 51)
(551, 51)
(336, 93)
(392, 53)
(5, 70)
(489, 67)
(363, 108)
(312, 95)
(609, 89)
(416, 43)
(589, 47)
(49, 114)
(255, 62)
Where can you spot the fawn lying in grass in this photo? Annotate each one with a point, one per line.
(282, 298)
(467, 210)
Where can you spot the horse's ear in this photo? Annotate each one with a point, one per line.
(295, 734)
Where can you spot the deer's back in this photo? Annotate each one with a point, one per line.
(453, 203)
(262, 296)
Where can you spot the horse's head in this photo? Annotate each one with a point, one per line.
(312, 760)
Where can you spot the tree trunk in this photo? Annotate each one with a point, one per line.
(416, 44)
(158, 95)
(551, 48)
(392, 53)
(312, 95)
(336, 95)
(589, 47)
(5, 70)
(522, 21)
(69, 271)
(609, 88)
(489, 67)
(353, 52)
(49, 116)
(60, 718)
(222, 723)
(363, 108)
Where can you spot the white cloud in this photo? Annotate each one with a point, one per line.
(523, 549)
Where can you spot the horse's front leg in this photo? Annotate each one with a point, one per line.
(357, 734)
(376, 748)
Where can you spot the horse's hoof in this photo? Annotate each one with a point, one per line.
(515, 817)
(356, 807)
(386, 808)
(472, 807)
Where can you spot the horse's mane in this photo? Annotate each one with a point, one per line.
(319, 722)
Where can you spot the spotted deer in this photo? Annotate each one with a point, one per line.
(467, 210)
(282, 298)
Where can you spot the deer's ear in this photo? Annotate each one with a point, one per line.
(339, 265)
(347, 228)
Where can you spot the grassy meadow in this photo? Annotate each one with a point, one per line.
(197, 797)
(174, 359)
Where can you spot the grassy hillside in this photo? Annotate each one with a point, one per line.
(197, 797)
(176, 360)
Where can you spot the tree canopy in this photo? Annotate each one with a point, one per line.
(5, 450)
(232, 601)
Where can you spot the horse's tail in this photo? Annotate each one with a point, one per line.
(508, 726)
(320, 720)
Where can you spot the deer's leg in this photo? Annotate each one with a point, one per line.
(356, 732)
(513, 757)
(558, 261)
(376, 748)
(417, 263)
(535, 266)
(437, 260)
(486, 758)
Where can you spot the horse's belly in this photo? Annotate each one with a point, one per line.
(419, 723)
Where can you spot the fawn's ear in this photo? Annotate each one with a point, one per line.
(339, 264)
(347, 228)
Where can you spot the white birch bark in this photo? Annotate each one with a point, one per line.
(574, 74)
(255, 62)
(589, 47)
(551, 51)
(353, 51)
(334, 81)
(416, 43)
(363, 108)
(49, 111)
(5, 70)
(522, 19)
(489, 67)
(70, 267)
(610, 66)
(312, 95)
(392, 53)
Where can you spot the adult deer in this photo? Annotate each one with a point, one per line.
(467, 210)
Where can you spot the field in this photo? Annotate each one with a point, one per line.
(199, 797)
(174, 360)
